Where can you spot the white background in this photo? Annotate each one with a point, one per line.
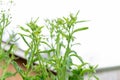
(99, 44)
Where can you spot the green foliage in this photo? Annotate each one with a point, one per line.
(4, 22)
(33, 33)
(5, 55)
(58, 47)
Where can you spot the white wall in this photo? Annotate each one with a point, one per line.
(100, 44)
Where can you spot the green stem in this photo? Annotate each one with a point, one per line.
(1, 35)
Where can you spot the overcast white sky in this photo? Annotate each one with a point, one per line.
(100, 44)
